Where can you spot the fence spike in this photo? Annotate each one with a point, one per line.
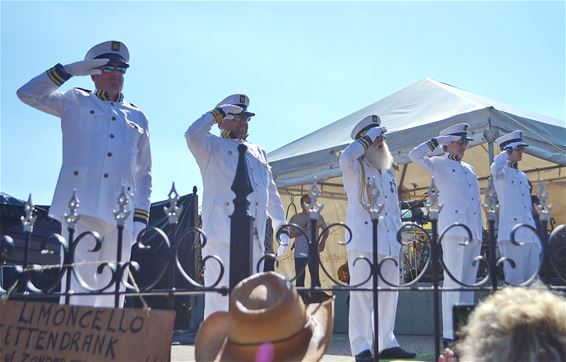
(314, 207)
(433, 204)
(122, 213)
(491, 205)
(73, 216)
(543, 207)
(28, 220)
(372, 205)
(173, 211)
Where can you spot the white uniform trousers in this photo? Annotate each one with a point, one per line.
(87, 262)
(214, 302)
(526, 258)
(360, 321)
(458, 259)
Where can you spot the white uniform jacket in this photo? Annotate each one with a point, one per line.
(105, 146)
(217, 159)
(512, 187)
(357, 218)
(459, 192)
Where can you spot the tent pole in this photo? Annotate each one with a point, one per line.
(490, 135)
(401, 180)
(490, 151)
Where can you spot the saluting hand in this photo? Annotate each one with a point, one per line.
(376, 132)
(85, 67)
(230, 110)
(444, 140)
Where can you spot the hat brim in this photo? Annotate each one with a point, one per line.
(211, 339)
(521, 144)
(211, 336)
(113, 56)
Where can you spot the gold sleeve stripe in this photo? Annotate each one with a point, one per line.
(54, 78)
(141, 216)
(141, 212)
(365, 141)
(58, 75)
(432, 144)
(217, 115)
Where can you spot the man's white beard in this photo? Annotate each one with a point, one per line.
(379, 157)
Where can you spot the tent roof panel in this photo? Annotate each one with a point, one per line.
(419, 105)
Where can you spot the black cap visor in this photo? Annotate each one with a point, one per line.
(115, 57)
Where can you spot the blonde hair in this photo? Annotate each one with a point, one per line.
(516, 324)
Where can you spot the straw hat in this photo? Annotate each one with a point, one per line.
(266, 316)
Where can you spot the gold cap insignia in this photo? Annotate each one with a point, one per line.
(115, 46)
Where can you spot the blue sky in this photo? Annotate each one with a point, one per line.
(303, 64)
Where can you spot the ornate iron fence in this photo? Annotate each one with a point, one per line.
(553, 253)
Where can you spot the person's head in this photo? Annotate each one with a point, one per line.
(457, 148)
(515, 139)
(378, 152)
(112, 78)
(305, 199)
(517, 154)
(237, 127)
(516, 324)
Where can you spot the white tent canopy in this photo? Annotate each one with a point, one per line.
(413, 115)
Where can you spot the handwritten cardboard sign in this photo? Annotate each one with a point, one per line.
(31, 331)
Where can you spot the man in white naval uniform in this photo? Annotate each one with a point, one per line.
(458, 187)
(217, 158)
(369, 157)
(514, 194)
(105, 147)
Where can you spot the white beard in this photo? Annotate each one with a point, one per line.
(379, 157)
